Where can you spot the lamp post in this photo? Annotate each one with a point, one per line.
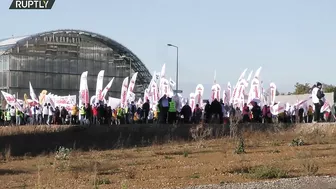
(177, 64)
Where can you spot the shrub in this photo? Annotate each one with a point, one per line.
(265, 172)
(195, 176)
(297, 142)
(63, 153)
(240, 147)
(311, 167)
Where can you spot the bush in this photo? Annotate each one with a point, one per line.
(297, 142)
(240, 147)
(63, 153)
(311, 167)
(265, 172)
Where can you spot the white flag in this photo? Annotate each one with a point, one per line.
(172, 83)
(32, 93)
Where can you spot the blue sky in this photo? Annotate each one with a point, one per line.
(290, 39)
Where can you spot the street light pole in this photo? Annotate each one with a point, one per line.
(177, 65)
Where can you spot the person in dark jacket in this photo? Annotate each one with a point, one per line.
(197, 114)
(64, 113)
(109, 116)
(301, 111)
(207, 112)
(318, 100)
(164, 107)
(145, 108)
(88, 114)
(256, 112)
(186, 113)
(216, 109)
(101, 114)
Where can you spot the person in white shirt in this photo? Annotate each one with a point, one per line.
(50, 114)
(317, 98)
(12, 113)
(45, 112)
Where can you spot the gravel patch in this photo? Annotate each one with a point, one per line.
(324, 182)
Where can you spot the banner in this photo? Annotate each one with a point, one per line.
(83, 89)
(64, 101)
(131, 87)
(113, 102)
(156, 77)
(215, 92)
(108, 86)
(235, 89)
(278, 108)
(123, 96)
(153, 94)
(273, 93)
(172, 83)
(32, 93)
(163, 72)
(325, 107)
(49, 99)
(146, 95)
(229, 93)
(199, 95)
(164, 87)
(238, 93)
(42, 96)
(249, 76)
(254, 94)
(131, 97)
(10, 99)
(99, 86)
(241, 77)
(192, 101)
(257, 73)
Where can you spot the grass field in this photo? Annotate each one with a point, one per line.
(290, 153)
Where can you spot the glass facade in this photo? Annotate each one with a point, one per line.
(54, 62)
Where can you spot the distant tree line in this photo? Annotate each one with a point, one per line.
(306, 88)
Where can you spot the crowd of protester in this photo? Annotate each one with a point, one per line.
(167, 111)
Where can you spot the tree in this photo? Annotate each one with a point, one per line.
(305, 88)
(328, 88)
(301, 88)
(277, 93)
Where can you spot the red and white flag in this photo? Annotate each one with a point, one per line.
(83, 89)
(272, 93)
(106, 89)
(199, 95)
(99, 86)
(123, 96)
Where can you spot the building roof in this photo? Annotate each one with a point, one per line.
(144, 75)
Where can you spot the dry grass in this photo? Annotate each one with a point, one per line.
(177, 164)
(14, 130)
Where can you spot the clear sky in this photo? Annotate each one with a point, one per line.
(293, 40)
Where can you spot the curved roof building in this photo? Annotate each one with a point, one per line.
(54, 61)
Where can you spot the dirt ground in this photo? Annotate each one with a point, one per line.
(178, 164)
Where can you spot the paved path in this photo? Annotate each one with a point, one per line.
(324, 182)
